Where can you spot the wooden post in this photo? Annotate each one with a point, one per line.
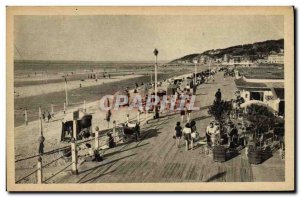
(26, 117)
(84, 107)
(64, 107)
(40, 112)
(96, 140)
(40, 121)
(138, 116)
(146, 116)
(41, 126)
(66, 89)
(75, 129)
(39, 171)
(115, 136)
(74, 156)
(52, 109)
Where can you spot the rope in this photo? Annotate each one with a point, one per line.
(46, 153)
(53, 161)
(58, 172)
(26, 176)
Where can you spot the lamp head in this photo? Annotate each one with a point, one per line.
(155, 52)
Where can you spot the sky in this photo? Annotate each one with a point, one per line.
(133, 38)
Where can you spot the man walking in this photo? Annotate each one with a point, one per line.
(218, 96)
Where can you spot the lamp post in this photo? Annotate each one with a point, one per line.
(209, 68)
(155, 82)
(151, 71)
(195, 77)
(66, 90)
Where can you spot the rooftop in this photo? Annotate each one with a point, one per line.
(242, 83)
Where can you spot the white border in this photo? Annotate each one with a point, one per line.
(4, 3)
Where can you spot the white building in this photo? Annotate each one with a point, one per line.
(268, 92)
(276, 58)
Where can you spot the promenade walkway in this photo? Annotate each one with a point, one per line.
(157, 159)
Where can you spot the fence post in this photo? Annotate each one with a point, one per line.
(96, 139)
(138, 116)
(39, 171)
(74, 156)
(40, 112)
(84, 107)
(52, 109)
(40, 121)
(146, 116)
(75, 129)
(64, 107)
(26, 117)
(116, 137)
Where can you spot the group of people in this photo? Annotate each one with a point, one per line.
(228, 134)
(47, 116)
(189, 134)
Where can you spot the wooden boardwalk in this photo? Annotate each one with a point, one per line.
(157, 159)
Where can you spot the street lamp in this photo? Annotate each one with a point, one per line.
(155, 74)
(155, 80)
(195, 77)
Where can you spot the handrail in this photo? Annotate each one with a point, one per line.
(63, 148)
(57, 172)
(26, 176)
(46, 153)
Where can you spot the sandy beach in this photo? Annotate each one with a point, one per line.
(34, 90)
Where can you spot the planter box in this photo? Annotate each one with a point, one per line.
(219, 153)
(255, 156)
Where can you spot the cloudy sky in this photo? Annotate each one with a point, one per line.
(127, 38)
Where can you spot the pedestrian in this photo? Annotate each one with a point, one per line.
(182, 114)
(111, 143)
(233, 135)
(49, 116)
(178, 134)
(218, 96)
(41, 145)
(93, 154)
(44, 116)
(209, 132)
(107, 118)
(194, 89)
(187, 135)
(26, 117)
(189, 111)
(193, 133)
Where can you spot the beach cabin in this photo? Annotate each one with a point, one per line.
(83, 125)
(268, 92)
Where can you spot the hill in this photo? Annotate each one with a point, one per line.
(255, 50)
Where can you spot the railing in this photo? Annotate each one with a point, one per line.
(37, 174)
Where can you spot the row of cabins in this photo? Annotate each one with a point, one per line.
(262, 87)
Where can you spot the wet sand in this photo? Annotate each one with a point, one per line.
(35, 90)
